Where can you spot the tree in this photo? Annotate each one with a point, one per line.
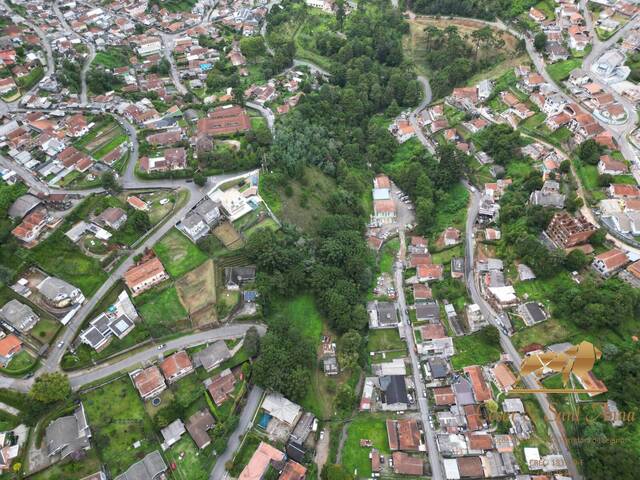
(576, 260)
(345, 398)
(109, 182)
(200, 179)
(349, 350)
(140, 221)
(252, 342)
(335, 472)
(589, 152)
(51, 388)
(540, 41)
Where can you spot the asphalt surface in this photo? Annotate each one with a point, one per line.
(426, 100)
(152, 354)
(423, 405)
(248, 412)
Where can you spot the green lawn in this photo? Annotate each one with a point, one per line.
(118, 420)
(385, 339)
(452, 210)
(561, 70)
(534, 121)
(161, 311)
(178, 254)
(110, 146)
(474, 349)
(191, 463)
(388, 255)
(112, 57)
(20, 363)
(302, 314)
(69, 263)
(364, 426)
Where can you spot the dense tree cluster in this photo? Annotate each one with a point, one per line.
(502, 143)
(454, 59)
(485, 9)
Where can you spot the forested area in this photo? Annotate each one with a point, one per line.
(484, 9)
(454, 59)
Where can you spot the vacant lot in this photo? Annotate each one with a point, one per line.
(105, 136)
(118, 420)
(112, 57)
(178, 254)
(197, 292)
(475, 349)
(385, 339)
(561, 70)
(365, 427)
(228, 235)
(388, 255)
(162, 311)
(302, 314)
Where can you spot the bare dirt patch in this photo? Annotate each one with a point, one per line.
(197, 292)
(229, 236)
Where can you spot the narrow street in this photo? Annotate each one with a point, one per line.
(425, 414)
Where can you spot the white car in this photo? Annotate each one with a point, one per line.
(164, 201)
(61, 344)
(321, 434)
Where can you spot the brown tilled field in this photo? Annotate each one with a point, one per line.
(197, 292)
(229, 236)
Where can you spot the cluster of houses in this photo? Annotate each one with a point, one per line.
(42, 143)
(566, 33)
(18, 68)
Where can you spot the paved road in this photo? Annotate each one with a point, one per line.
(167, 52)
(235, 330)
(266, 112)
(557, 430)
(250, 409)
(426, 100)
(423, 404)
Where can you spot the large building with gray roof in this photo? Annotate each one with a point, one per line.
(18, 315)
(151, 467)
(68, 435)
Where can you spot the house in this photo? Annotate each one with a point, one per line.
(198, 426)
(18, 315)
(384, 211)
(102, 328)
(457, 267)
(404, 464)
(221, 386)
(444, 396)
(151, 467)
(620, 190)
(475, 318)
(68, 435)
(194, 226)
(504, 377)
(149, 381)
(421, 293)
(172, 159)
(262, 459)
(112, 217)
(393, 393)
(59, 294)
(293, 471)
(404, 434)
(282, 409)
(609, 262)
(9, 346)
(536, 15)
(138, 204)
(608, 166)
(427, 273)
(225, 120)
(451, 236)
(145, 275)
(429, 312)
(481, 390)
(7, 85)
(31, 226)
(532, 313)
(176, 366)
(235, 277)
(172, 433)
(567, 231)
(212, 356)
(382, 315)
(548, 196)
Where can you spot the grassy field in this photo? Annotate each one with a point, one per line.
(21, 362)
(452, 210)
(560, 71)
(198, 294)
(302, 314)
(112, 57)
(385, 339)
(474, 350)
(191, 463)
(178, 254)
(369, 427)
(305, 204)
(388, 255)
(69, 263)
(316, 23)
(162, 311)
(118, 420)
